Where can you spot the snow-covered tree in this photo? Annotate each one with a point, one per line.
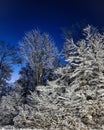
(8, 56)
(87, 58)
(87, 79)
(39, 50)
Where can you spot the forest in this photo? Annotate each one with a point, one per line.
(56, 90)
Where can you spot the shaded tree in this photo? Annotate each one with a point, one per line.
(8, 56)
(27, 81)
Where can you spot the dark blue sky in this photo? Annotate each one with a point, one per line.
(20, 16)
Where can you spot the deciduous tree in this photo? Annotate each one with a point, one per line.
(40, 52)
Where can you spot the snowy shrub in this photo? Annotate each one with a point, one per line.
(8, 110)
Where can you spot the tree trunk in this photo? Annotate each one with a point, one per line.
(39, 74)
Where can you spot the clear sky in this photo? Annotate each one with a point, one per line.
(20, 16)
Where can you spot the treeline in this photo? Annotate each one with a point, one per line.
(40, 55)
(50, 94)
